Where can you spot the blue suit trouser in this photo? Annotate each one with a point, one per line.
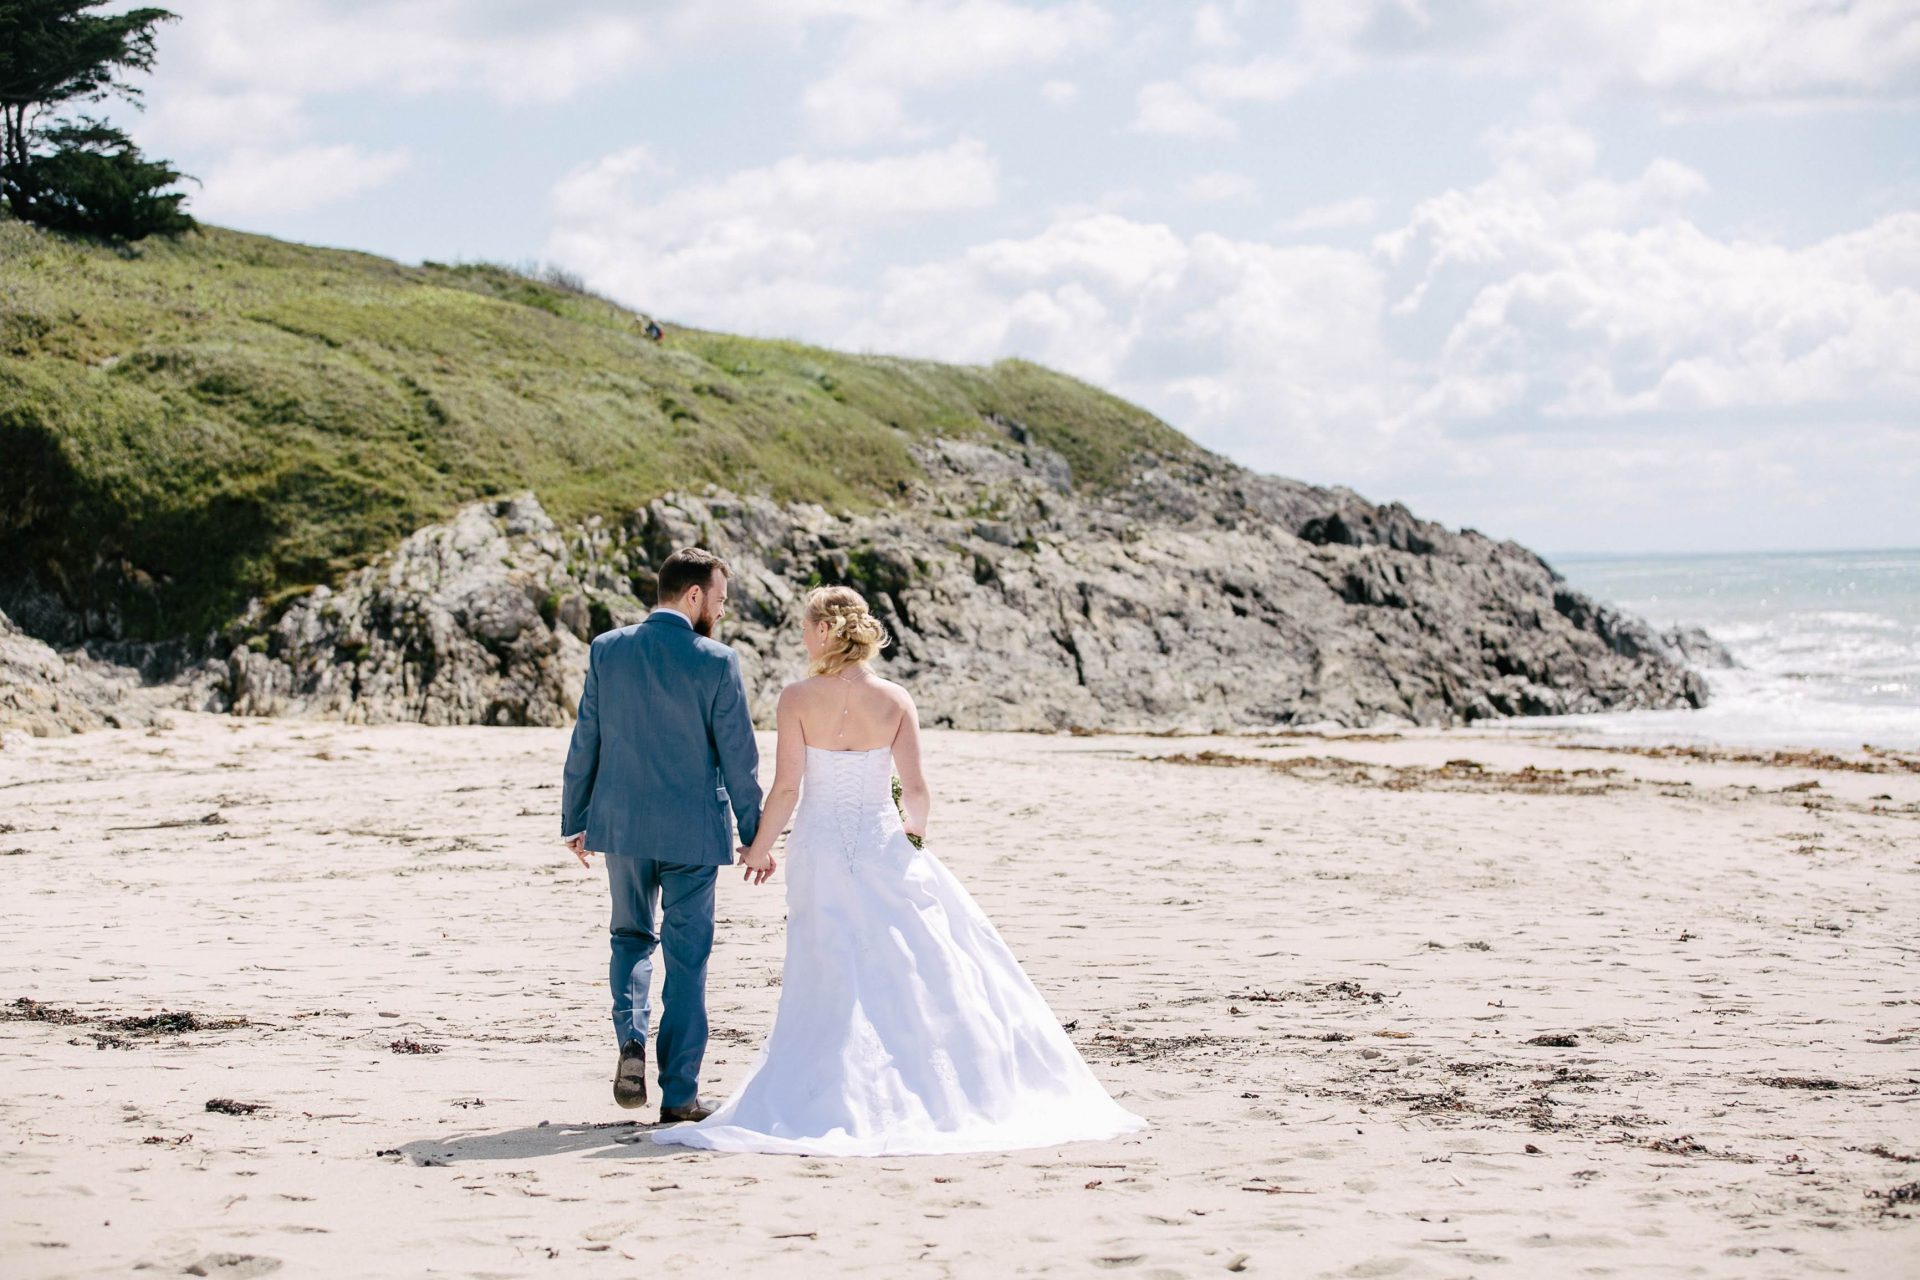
(668, 907)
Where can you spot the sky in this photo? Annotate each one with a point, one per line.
(1627, 277)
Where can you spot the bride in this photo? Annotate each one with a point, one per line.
(905, 1025)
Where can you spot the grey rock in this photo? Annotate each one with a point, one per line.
(47, 693)
(448, 628)
(1694, 646)
(1199, 596)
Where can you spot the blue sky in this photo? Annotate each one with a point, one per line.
(1633, 276)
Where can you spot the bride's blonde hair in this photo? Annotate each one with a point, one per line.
(855, 634)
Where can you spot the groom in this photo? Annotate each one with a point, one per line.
(662, 746)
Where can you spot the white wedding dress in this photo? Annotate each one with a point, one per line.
(905, 1025)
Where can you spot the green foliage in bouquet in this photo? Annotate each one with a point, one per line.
(918, 843)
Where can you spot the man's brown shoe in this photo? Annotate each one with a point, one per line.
(630, 1077)
(692, 1111)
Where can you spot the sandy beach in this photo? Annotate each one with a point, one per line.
(306, 997)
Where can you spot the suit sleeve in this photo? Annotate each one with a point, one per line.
(732, 728)
(583, 756)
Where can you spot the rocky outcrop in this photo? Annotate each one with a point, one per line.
(48, 694)
(1199, 597)
(1696, 647)
(476, 621)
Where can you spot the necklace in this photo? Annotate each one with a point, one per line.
(847, 707)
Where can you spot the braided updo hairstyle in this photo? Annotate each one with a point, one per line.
(855, 634)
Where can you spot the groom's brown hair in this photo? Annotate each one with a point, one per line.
(687, 568)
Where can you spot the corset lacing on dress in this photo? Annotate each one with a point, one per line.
(855, 790)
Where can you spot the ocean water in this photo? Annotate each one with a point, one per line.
(1828, 644)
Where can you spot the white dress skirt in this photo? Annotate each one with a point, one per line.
(905, 1025)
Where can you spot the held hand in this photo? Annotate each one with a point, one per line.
(759, 865)
(578, 843)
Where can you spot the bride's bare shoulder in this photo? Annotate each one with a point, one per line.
(800, 690)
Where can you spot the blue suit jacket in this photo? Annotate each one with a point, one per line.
(663, 744)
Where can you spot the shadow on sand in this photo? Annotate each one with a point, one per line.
(619, 1140)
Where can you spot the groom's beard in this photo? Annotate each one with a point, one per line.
(703, 625)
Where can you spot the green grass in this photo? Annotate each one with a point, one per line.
(196, 421)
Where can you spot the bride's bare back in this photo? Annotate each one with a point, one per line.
(852, 710)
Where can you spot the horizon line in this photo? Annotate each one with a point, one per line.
(1755, 551)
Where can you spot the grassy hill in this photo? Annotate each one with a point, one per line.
(188, 423)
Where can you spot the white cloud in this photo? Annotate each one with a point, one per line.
(1688, 55)
(512, 53)
(1710, 49)
(1356, 211)
(846, 112)
(1542, 193)
(1550, 292)
(1234, 339)
(253, 183)
(1059, 92)
(237, 82)
(1213, 28)
(1171, 110)
(1322, 46)
(759, 248)
(933, 45)
(191, 116)
(1267, 78)
(1217, 186)
(1707, 325)
(1111, 252)
(692, 21)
